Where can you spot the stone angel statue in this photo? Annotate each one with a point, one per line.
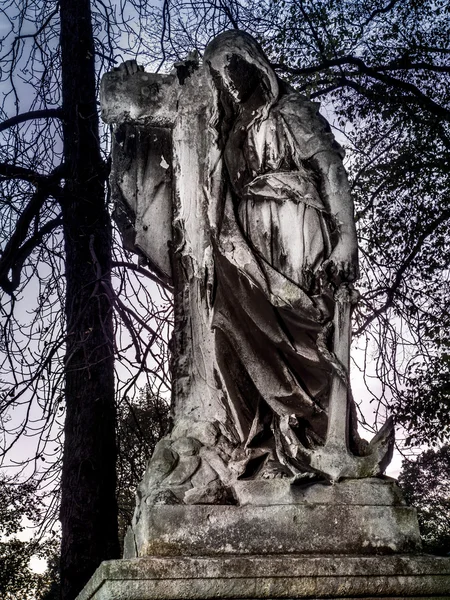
(232, 186)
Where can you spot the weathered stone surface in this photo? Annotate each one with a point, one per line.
(301, 528)
(371, 491)
(274, 516)
(126, 96)
(184, 469)
(271, 577)
(233, 188)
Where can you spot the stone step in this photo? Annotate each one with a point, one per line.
(271, 577)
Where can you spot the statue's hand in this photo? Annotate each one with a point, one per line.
(129, 67)
(342, 265)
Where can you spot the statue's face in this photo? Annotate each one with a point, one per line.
(239, 79)
(240, 70)
(244, 79)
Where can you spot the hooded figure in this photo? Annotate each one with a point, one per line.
(284, 243)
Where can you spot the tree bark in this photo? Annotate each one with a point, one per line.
(88, 502)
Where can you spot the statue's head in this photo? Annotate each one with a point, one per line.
(236, 62)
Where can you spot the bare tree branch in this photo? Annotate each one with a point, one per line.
(393, 288)
(373, 72)
(47, 113)
(142, 271)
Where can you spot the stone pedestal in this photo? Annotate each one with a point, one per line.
(275, 517)
(271, 577)
(355, 539)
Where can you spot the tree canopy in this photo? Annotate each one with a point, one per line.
(20, 505)
(425, 482)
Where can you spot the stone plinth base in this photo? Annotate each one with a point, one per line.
(274, 517)
(314, 529)
(271, 577)
(355, 539)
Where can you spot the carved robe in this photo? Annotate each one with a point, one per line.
(250, 228)
(272, 307)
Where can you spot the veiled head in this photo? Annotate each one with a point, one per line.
(236, 62)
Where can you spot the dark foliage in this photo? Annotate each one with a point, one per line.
(426, 484)
(20, 510)
(140, 426)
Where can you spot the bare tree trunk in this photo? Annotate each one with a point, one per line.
(88, 503)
